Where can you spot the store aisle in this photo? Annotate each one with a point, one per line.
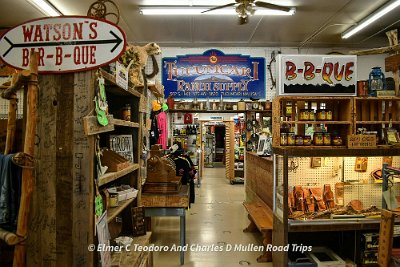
(217, 219)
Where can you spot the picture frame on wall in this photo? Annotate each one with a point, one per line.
(264, 147)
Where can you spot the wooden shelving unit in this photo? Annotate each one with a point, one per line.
(342, 115)
(112, 176)
(114, 212)
(216, 111)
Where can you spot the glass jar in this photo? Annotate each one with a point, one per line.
(321, 115)
(304, 115)
(126, 113)
(337, 140)
(327, 139)
(288, 110)
(284, 139)
(299, 140)
(307, 140)
(319, 139)
(311, 114)
(328, 115)
(291, 139)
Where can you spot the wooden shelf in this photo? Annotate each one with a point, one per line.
(396, 98)
(377, 122)
(332, 225)
(335, 151)
(113, 212)
(215, 111)
(112, 176)
(118, 122)
(317, 122)
(117, 89)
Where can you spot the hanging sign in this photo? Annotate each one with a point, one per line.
(322, 75)
(214, 74)
(64, 44)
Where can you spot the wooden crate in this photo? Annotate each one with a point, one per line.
(377, 109)
(162, 187)
(114, 161)
(178, 200)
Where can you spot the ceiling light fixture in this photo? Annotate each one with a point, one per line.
(190, 11)
(371, 18)
(45, 7)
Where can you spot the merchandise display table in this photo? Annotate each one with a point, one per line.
(169, 205)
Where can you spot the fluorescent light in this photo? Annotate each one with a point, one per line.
(45, 7)
(371, 18)
(197, 11)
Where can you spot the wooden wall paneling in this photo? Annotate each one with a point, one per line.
(42, 230)
(64, 150)
(82, 172)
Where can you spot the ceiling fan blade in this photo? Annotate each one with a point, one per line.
(218, 7)
(272, 6)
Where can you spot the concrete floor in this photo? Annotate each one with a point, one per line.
(217, 219)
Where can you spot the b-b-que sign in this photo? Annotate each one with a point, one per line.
(64, 44)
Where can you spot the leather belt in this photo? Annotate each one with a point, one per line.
(309, 201)
(317, 193)
(328, 197)
(299, 198)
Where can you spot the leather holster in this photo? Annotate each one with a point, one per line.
(309, 201)
(299, 198)
(317, 194)
(328, 197)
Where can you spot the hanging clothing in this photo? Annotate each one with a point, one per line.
(10, 192)
(185, 168)
(154, 134)
(162, 129)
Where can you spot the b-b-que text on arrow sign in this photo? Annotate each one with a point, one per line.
(64, 44)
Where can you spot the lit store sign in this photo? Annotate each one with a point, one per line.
(214, 74)
(317, 75)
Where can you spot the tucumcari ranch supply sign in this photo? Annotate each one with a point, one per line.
(214, 74)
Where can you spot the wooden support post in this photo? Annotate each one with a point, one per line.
(11, 239)
(385, 238)
(27, 173)
(22, 77)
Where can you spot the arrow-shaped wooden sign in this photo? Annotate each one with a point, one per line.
(65, 44)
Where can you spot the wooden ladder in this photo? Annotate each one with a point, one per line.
(28, 79)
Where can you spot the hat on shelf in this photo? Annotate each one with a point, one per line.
(156, 105)
(164, 107)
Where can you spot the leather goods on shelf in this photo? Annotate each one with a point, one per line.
(309, 201)
(317, 193)
(356, 205)
(339, 193)
(328, 197)
(290, 201)
(299, 198)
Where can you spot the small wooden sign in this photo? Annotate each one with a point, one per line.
(361, 141)
(122, 144)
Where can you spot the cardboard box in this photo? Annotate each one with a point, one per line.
(324, 257)
(123, 194)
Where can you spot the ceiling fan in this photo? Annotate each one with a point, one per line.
(245, 8)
